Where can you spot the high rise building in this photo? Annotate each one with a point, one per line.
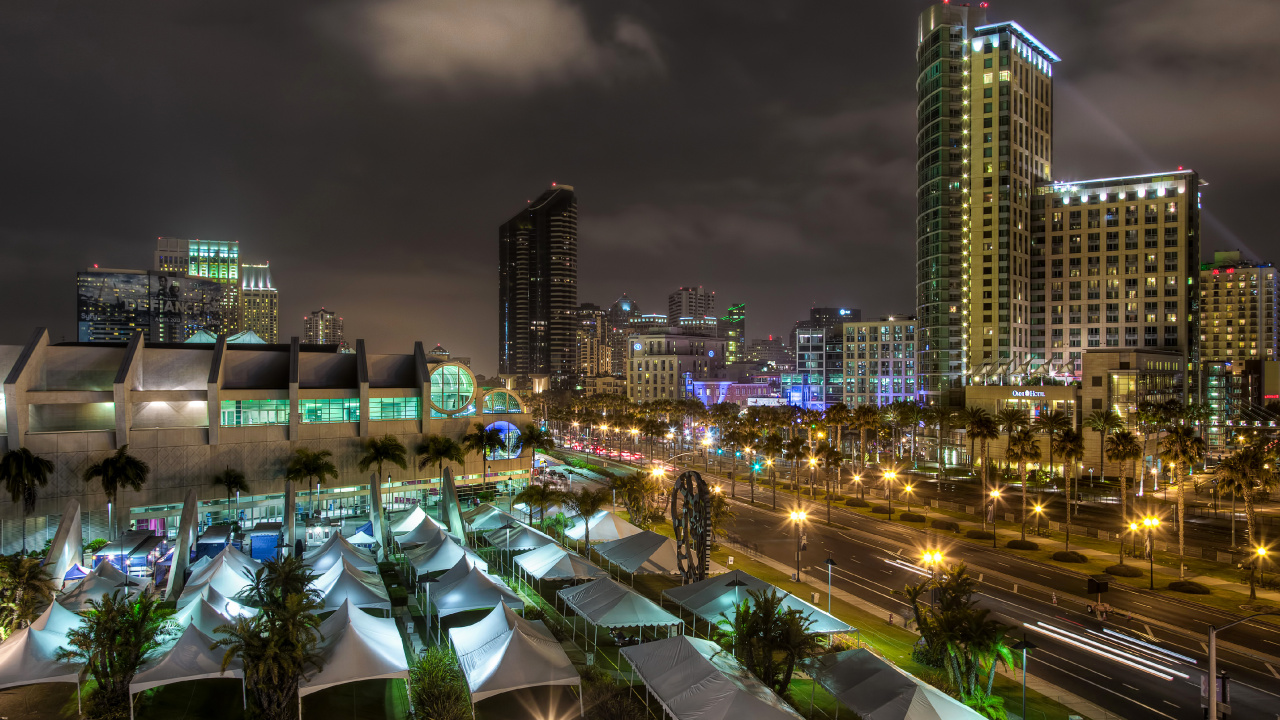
(664, 365)
(112, 305)
(733, 328)
(538, 289)
(1238, 303)
(622, 310)
(323, 327)
(694, 302)
(259, 302)
(880, 361)
(217, 260)
(594, 357)
(817, 381)
(772, 353)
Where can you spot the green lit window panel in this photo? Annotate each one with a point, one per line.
(405, 408)
(333, 410)
(451, 389)
(501, 402)
(240, 413)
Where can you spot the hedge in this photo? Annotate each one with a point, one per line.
(979, 534)
(881, 510)
(857, 502)
(911, 517)
(1070, 556)
(1124, 571)
(946, 525)
(1022, 545)
(1189, 587)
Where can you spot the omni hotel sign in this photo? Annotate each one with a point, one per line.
(1028, 393)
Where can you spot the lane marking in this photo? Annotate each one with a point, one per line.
(1272, 669)
(1150, 634)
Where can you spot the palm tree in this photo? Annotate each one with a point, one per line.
(1103, 422)
(771, 447)
(1122, 446)
(984, 429)
(909, 413)
(378, 452)
(1071, 448)
(832, 460)
(1053, 423)
(838, 416)
(537, 496)
(534, 438)
(483, 440)
(1023, 446)
(865, 418)
(793, 451)
(1010, 420)
(115, 638)
(26, 587)
(23, 474)
(586, 503)
(970, 418)
(437, 450)
(942, 417)
(1183, 448)
(234, 482)
(117, 471)
(313, 466)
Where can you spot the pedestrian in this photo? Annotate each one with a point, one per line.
(1055, 598)
(890, 618)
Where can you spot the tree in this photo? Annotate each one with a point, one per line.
(313, 466)
(536, 496)
(117, 635)
(534, 438)
(483, 441)
(1103, 422)
(943, 417)
(378, 452)
(832, 460)
(279, 644)
(970, 418)
(23, 474)
(768, 637)
(1183, 448)
(984, 429)
(437, 686)
(437, 450)
(1071, 447)
(771, 447)
(1010, 420)
(866, 418)
(838, 416)
(233, 481)
(120, 470)
(793, 452)
(25, 588)
(1053, 423)
(909, 414)
(1121, 447)
(722, 513)
(586, 503)
(636, 491)
(1023, 446)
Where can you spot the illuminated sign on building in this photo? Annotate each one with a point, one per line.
(111, 305)
(1028, 393)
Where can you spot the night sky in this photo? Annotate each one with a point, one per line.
(370, 150)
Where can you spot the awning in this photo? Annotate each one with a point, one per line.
(427, 559)
(877, 690)
(519, 538)
(505, 652)
(552, 562)
(609, 604)
(334, 551)
(694, 679)
(466, 588)
(345, 583)
(646, 552)
(487, 517)
(604, 526)
(29, 656)
(714, 598)
(357, 646)
(189, 659)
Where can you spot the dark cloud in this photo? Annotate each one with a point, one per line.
(370, 149)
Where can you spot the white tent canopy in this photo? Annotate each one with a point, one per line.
(357, 646)
(362, 538)
(416, 517)
(488, 517)
(645, 552)
(334, 551)
(229, 573)
(94, 586)
(427, 559)
(228, 556)
(345, 583)
(505, 652)
(713, 598)
(201, 615)
(29, 656)
(552, 562)
(694, 680)
(604, 526)
(424, 534)
(519, 538)
(212, 596)
(466, 588)
(189, 659)
(609, 604)
(877, 690)
(57, 620)
(553, 510)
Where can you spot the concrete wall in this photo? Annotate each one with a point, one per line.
(255, 369)
(166, 369)
(390, 371)
(175, 414)
(78, 368)
(327, 370)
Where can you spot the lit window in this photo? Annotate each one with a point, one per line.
(403, 408)
(1004, 76)
(986, 77)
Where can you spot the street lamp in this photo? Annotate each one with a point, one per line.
(1024, 646)
(797, 517)
(906, 488)
(1213, 658)
(830, 562)
(858, 479)
(889, 477)
(995, 497)
(706, 445)
(1038, 509)
(1151, 523)
(1133, 538)
(773, 480)
(1262, 557)
(813, 470)
(932, 559)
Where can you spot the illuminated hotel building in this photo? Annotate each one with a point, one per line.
(323, 327)
(880, 361)
(259, 302)
(1237, 309)
(733, 328)
(665, 364)
(217, 260)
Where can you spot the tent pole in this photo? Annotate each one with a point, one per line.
(582, 710)
(813, 684)
(130, 706)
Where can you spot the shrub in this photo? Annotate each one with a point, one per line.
(911, 517)
(1070, 556)
(96, 544)
(979, 534)
(1189, 587)
(881, 510)
(856, 502)
(533, 612)
(835, 497)
(951, 525)
(1124, 571)
(437, 687)
(398, 595)
(1022, 545)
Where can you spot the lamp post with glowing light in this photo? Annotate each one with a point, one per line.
(906, 491)
(813, 473)
(1038, 509)
(889, 477)
(773, 480)
(1133, 539)
(932, 559)
(797, 517)
(830, 562)
(1262, 558)
(1151, 523)
(635, 434)
(995, 498)
(706, 450)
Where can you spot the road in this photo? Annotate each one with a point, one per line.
(1072, 662)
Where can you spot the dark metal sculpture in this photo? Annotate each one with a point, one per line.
(691, 519)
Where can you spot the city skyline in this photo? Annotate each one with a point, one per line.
(829, 174)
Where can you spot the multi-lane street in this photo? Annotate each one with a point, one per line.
(1144, 661)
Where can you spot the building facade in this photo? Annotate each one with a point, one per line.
(772, 353)
(691, 302)
(880, 361)
(192, 410)
(323, 327)
(733, 328)
(538, 289)
(1238, 303)
(259, 302)
(217, 260)
(111, 305)
(594, 355)
(618, 317)
(664, 365)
